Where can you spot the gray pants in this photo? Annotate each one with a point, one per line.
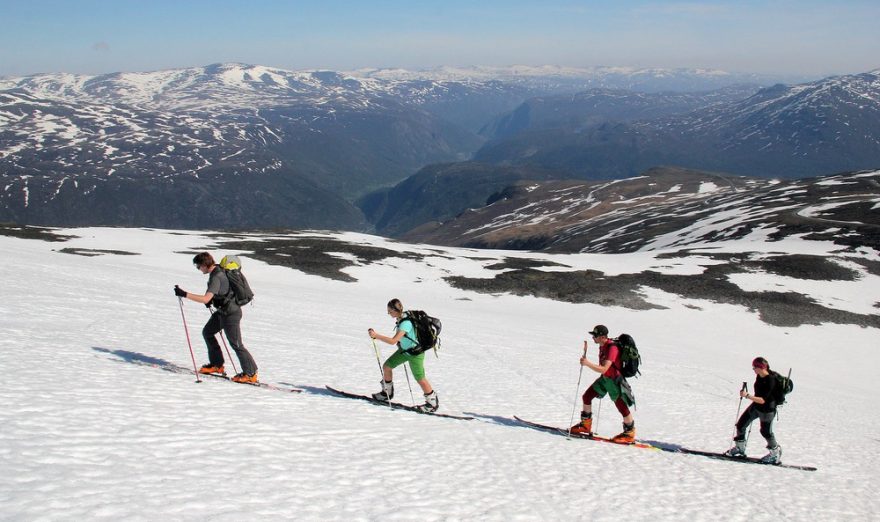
(231, 325)
(766, 419)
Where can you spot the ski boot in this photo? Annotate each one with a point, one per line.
(387, 392)
(585, 426)
(245, 378)
(738, 449)
(774, 457)
(627, 436)
(209, 369)
(431, 403)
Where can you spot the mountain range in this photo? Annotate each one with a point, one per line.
(556, 79)
(229, 145)
(822, 127)
(581, 110)
(245, 146)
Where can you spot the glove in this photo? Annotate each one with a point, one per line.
(178, 292)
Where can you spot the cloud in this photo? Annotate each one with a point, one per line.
(101, 47)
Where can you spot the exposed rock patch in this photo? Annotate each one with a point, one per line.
(314, 255)
(786, 309)
(92, 252)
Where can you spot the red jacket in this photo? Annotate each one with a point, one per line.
(610, 351)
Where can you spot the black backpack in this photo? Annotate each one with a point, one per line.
(783, 387)
(629, 356)
(427, 331)
(239, 288)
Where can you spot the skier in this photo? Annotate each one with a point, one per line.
(762, 407)
(226, 317)
(405, 338)
(609, 382)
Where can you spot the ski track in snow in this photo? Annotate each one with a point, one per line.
(87, 434)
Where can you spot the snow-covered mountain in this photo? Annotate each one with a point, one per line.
(830, 125)
(666, 207)
(93, 428)
(838, 117)
(292, 136)
(595, 106)
(555, 79)
(231, 86)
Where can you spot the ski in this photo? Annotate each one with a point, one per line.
(174, 368)
(255, 384)
(394, 405)
(744, 460)
(597, 438)
(671, 449)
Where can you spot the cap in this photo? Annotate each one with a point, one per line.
(599, 330)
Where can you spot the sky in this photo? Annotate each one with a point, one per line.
(805, 37)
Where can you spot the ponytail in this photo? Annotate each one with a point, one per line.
(395, 305)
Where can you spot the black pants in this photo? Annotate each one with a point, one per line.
(766, 419)
(231, 325)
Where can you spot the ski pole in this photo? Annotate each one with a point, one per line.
(381, 371)
(787, 380)
(228, 355)
(749, 432)
(576, 392)
(222, 338)
(411, 397)
(188, 343)
(745, 387)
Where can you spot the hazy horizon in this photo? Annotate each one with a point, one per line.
(807, 38)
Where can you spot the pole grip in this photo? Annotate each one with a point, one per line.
(745, 386)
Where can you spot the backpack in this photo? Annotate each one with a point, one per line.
(628, 355)
(239, 288)
(783, 387)
(427, 331)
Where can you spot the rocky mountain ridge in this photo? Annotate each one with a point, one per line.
(666, 208)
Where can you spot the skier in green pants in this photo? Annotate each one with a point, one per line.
(405, 339)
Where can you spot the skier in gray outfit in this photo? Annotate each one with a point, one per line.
(226, 317)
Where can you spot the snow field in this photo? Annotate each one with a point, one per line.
(90, 434)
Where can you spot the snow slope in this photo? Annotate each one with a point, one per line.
(89, 433)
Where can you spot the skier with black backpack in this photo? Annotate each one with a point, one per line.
(770, 390)
(222, 295)
(411, 349)
(610, 382)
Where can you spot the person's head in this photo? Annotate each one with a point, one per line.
(599, 333)
(204, 262)
(761, 366)
(395, 308)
